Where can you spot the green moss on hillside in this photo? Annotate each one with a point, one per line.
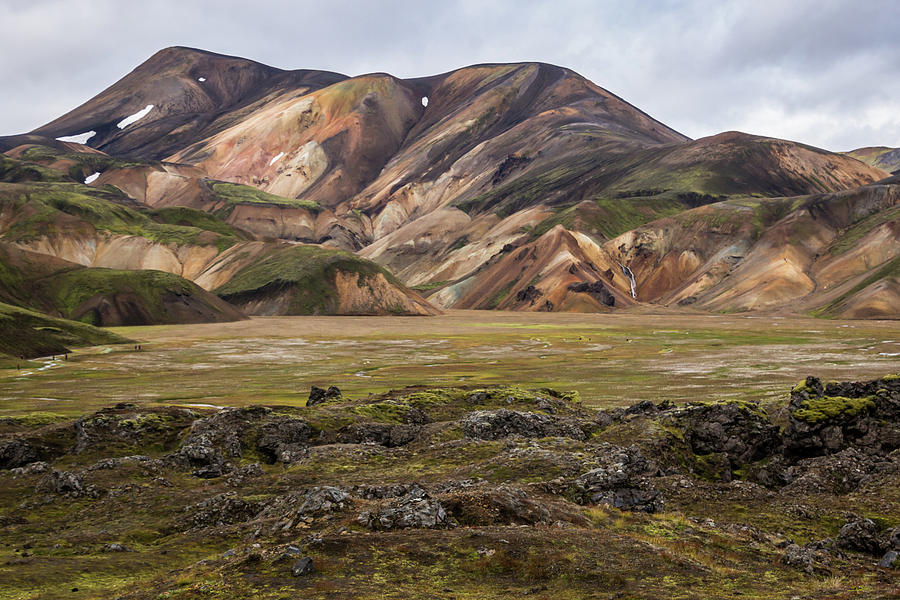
(69, 290)
(28, 333)
(234, 193)
(309, 271)
(191, 217)
(41, 210)
(16, 171)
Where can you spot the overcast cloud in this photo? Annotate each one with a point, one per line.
(823, 72)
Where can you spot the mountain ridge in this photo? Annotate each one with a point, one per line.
(440, 178)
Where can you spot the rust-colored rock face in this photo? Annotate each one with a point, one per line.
(512, 186)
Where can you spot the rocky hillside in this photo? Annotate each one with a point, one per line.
(105, 297)
(490, 493)
(303, 280)
(881, 157)
(438, 179)
(49, 221)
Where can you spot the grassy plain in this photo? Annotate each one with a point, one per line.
(611, 360)
(715, 539)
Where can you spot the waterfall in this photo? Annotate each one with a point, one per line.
(630, 276)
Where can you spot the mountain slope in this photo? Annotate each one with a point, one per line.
(30, 334)
(184, 107)
(881, 157)
(103, 228)
(105, 297)
(302, 280)
(834, 253)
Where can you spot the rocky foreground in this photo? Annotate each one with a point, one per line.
(459, 493)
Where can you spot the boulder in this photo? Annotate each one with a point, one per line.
(812, 558)
(825, 419)
(282, 439)
(221, 509)
(62, 482)
(416, 509)
(317, 395)
(861, 535)
(302, 567)
(323, 499)
(17, 452)
(890, 560)
(623, 481)
(740, 431)
(496, 424)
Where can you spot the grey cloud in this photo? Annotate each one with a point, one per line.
(823, 72)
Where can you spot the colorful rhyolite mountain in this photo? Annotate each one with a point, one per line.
(508, 186)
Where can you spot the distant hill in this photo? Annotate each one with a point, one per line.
(881, 157)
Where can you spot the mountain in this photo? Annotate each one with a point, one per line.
(491, 186)
(881, 157)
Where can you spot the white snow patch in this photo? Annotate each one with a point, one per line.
(135, 117)
(92, 178)
(276, 158)
(424, 100)
(81, 138)
(201, 79)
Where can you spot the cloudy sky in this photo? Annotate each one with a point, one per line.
(824, 72)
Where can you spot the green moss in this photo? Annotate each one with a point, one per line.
(427, 287)
(307, 272)
(889, 269)
(383, 412)
(801, 387)
(42, 210)
(27, 333)
(500, 295)
(16, 171)
(235, 193)
(823, 408)
(74, 288)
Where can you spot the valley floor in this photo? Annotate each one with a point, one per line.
(610, 359)
(447, 469)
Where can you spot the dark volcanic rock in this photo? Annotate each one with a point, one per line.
(741, 432)
(595, 289)
(861, 535)
(323, 499)
(623, 481)
(17, 452)
(282, 439)
(507, 505)
(304, 566)
(221, 509)
(827, 419)
(214, 439)
(840, 473)
(416, 509)
(812, 558)
(890, 559)
(529, 294)
(390, 436)
(61, 482)
(492, 425)
(317, 395)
